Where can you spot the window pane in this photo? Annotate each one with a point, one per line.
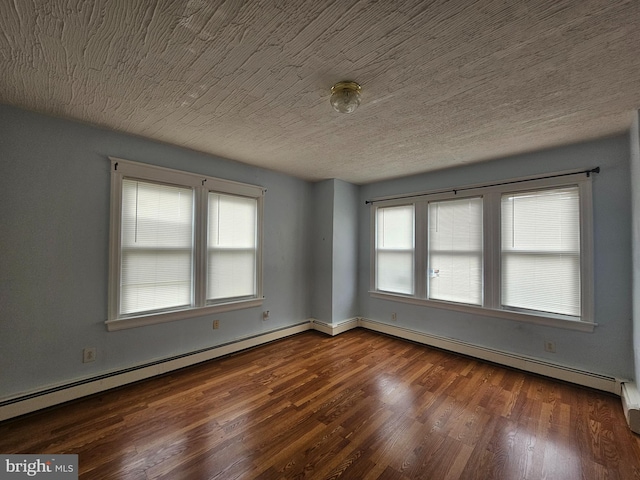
(395, 249)
(157, 239)
(541, 251)
(395, 228)
(155, 280)
(395, 271)
(232, 246)
(455, 250)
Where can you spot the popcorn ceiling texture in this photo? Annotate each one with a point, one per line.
(444, 82)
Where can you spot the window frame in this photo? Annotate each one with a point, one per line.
(208, 248)
(201, 186)
(491, 277)
(430, 251)
(411, 250)
(506, 253)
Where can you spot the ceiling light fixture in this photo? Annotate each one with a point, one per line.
(345, 96)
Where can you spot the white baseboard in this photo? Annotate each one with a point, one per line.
(532, 365)
(334, 329)
(54, 395)
(631, 405)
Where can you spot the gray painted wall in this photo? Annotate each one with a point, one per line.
(609, 349)
(55, 180)
(635, 221)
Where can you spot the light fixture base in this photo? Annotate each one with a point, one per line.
(345, 96)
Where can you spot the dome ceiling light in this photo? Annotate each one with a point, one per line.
(345, 96)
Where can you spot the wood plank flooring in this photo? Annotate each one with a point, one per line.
(357, 406)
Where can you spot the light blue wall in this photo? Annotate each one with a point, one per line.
(635, 221)
(335, 250)
(345, 251)
(322, 300)
(54, 214)
(54, 184)
(609, 349)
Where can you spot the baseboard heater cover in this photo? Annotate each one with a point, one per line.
(334, 329)
(30, 402)
(527, 364)
(37, 400)
(631, 405)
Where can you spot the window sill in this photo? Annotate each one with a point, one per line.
(152, 319)
(549, 321)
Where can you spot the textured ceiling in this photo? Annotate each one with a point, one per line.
(444, 82)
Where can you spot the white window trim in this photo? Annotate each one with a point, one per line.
(202, 185)
(491, 236)
(412, 249)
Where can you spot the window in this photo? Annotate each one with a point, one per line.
(455, 250)
(182, 245)
(541, 251)
(232, 247)
(156, 247)
(394, 249)
(520, 250)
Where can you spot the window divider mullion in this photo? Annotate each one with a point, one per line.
(421, 248)
(200, 246)
(491, 250)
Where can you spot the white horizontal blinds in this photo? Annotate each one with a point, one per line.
(157, 247)
(232, 247)
(455, 250)
(395, 249)
(541, 251)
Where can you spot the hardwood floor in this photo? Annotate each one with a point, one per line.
(356, 406)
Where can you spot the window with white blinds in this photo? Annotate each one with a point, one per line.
(182, 245)
(455, 250)
(157, 247)
(541, 251)
(395, 249)
(232, 246)
(519, 249)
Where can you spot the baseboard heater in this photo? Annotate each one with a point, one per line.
(527, 364)
(631, 405)
(29, 402)
(54, 395)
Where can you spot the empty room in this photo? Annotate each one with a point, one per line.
(315, 239)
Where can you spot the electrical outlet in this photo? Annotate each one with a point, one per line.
(265, 315)
(394, 317)
(216, 324)
(550, 346)
(88, 354)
